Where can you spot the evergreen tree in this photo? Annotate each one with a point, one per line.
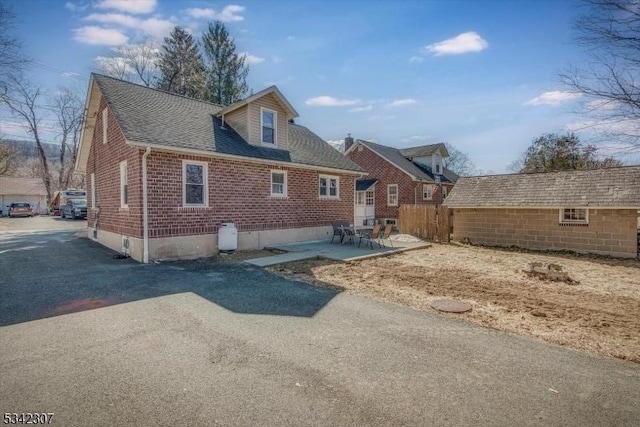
(226, 70)
(182, 69)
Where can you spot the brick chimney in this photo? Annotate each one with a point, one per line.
(348, 142)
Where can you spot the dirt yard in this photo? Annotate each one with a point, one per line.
(598, 312)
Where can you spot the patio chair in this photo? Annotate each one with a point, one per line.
(386, 234)
(371, 236)
(349, 233)
(338, 227)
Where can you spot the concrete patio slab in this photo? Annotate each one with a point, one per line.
(340, 252)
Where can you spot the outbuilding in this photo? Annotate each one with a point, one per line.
(586, 211)
(19, 189)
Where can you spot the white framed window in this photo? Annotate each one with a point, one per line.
(427, 192)
(279, 183)
(268, 120)
(574, 216)
(124, 187)
(195, 178)
(105, 125)
(438, 168)
(329, 186)
(392, 195)
(360, 198)
(370, 197)
(444, 192)
(93, 191)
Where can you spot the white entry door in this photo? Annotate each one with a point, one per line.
(365, 207)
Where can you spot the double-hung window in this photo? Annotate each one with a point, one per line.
(392, 195)
(194, 183)
(279, 183)
(328, 186)
(268, 124)
(427, 192)
(105, 125)
(574, 216)
(124, 195)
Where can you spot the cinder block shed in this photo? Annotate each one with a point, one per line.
(588, 211)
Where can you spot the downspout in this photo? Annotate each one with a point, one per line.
(145, 209)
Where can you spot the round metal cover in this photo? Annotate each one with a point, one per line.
(450, 305)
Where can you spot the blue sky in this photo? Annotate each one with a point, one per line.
(481, 75)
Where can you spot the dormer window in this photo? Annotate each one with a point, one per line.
(268, 120)
(438, 168)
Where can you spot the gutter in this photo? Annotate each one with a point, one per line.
(145, 209)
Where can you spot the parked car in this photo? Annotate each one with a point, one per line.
(20, 209)
(74, 208)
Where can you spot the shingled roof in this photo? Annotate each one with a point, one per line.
(396, 157)
(154, 117)
(611, 187)
(423, 150)
(19, 186)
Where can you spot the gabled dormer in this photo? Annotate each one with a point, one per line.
(431, 156)
(261, 119)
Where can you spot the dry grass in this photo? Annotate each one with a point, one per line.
(601, 313)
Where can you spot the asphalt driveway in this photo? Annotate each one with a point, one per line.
(101, 341)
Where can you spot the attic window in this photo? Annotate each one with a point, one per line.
(268, 123)
(437, 167)
(574, 216)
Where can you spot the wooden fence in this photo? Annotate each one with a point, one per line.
(425, 221)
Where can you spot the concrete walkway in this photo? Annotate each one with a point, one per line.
(340, 252)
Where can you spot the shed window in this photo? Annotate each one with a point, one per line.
(427, 192)
(392, 195)
(328, 186)
(574, 216)
(278, 183)
(124, 187)
(194, 179)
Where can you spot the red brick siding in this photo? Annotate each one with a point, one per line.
(386, 174)
(104, 161)
(239, 192)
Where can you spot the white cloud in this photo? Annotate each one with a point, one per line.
(462, 43)
(361, 109)
(329, 101)
(230, 13)
(402, 102)
(553, 98)
(129, 6)
(75, 7)
(251, 59)
(114, 18)
(416, 59)
(97, 35)
(152, 26)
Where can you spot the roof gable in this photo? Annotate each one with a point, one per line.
(272, 91)
(611, 187)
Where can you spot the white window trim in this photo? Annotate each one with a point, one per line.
(124, 180)
(93, 191)
(285, 189)
(205, 182)
(430, 187)
(105, 125)
(564, 221)
(275, 127)
(389, 195)
(329, 178)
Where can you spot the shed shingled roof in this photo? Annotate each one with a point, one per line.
(156, 117)
(610, 187)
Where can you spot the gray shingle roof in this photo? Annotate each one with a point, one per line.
(422, 150)
(155, 117)
(397, 157)
(612, 187)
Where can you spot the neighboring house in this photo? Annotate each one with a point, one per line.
(17, 189)
(163, 172)
(584, 211)
(395, 177)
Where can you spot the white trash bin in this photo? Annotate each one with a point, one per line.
(227, 237)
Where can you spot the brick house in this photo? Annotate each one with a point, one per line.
(395, 177)
(164, 171)
(592, 211)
